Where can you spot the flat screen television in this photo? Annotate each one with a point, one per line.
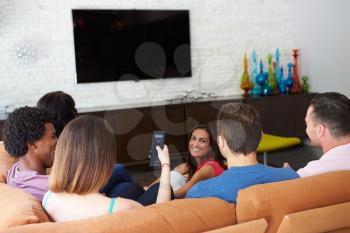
(114, 45)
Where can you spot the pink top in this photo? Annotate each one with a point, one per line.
(30, 181)
(336, 159)
(217, 167)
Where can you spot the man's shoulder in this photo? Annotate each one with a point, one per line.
(208, 184)
(11, 173)
(26, 176)
(213, 187)
(335, 159)
(283, 172)
(226, 179)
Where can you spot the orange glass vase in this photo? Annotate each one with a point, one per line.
(246, 84)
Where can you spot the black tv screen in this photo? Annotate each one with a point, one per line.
(113, 45)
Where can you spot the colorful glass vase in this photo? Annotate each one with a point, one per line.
(271, 77)
(246, 84)
(282, 89)
(263, 81)
(305, 84)
(296, 82)
(289, 80)
(277, 66)
(274, 71)
(261, 78)
(256, 91)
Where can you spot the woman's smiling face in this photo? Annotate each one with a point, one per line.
(199, 144)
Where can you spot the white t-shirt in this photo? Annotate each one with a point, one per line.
(177, 180)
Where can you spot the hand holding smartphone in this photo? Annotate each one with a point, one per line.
(158, 139)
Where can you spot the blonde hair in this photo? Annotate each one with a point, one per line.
(84, 156)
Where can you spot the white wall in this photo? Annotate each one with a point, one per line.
(323, 35)
(220, 32)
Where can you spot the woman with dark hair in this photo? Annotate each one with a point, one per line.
(62, 107)
(204, 161)
(60, 104)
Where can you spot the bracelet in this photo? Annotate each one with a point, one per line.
(165, 164)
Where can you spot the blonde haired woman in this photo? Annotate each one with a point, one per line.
(84, 159)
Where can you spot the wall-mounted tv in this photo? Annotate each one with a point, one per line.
(115, 45)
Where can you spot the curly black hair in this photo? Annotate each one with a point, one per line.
(24, 125)
(61, 105)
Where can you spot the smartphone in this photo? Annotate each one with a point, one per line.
(158, 139)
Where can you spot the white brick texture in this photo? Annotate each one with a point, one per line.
(221, 31)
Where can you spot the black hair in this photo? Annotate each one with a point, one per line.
(62, 107)
(24, 125)
(191, 163)
(333, 110)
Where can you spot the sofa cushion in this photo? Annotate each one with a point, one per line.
(19, 208)
(187, 215)
(323, 219)
(6, 162)
(273, 201)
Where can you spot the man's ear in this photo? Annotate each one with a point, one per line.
(321, 129)
(32, 146)
(221, 142)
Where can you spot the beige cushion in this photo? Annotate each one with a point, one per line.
(324, 219)
(275, 200)
(256, 226)
(187, 215)
(6, 162)
(19, 208)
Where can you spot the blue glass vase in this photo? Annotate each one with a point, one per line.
(256, 91)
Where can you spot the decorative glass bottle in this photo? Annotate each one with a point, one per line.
(256, 91)
(246, 84)
(296, 81)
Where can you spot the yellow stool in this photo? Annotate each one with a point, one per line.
(272, 143)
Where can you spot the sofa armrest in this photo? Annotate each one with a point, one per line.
(275, 200)
(324, 219)
(256, 226)
(19, 208)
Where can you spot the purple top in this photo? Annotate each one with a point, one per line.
(30, 181)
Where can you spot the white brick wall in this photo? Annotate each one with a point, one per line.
(220, 32)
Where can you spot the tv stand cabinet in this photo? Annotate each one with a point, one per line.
(280, 115)
(283, 115)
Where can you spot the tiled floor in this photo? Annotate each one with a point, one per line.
(297, 157)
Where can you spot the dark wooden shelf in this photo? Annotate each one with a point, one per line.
(280, 115)
(283, 115)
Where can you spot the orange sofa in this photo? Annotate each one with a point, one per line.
(314, 204)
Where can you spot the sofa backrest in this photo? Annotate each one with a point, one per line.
(6, 161)
(326, 219)
(275, 200)
(186, 215)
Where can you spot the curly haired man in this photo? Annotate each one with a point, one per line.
(29, 135)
